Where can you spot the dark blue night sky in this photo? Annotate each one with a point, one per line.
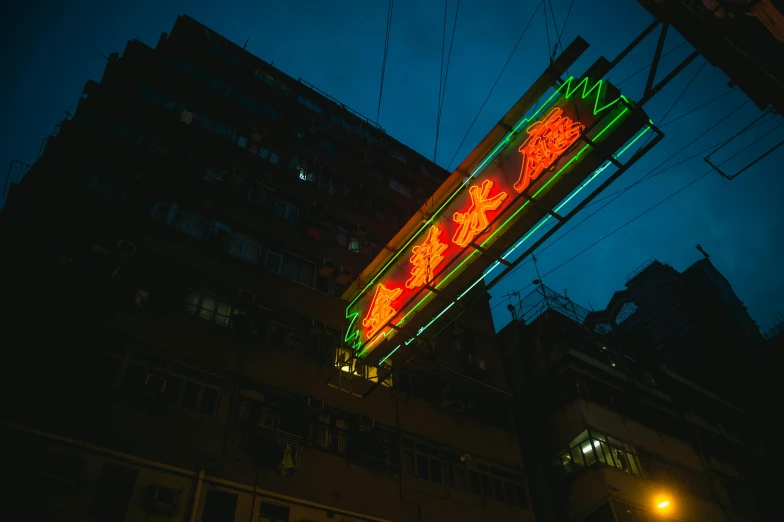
(51, 48)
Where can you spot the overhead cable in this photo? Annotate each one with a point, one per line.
(495, 83)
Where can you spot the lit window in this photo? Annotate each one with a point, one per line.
(354, 245)
(588, 448)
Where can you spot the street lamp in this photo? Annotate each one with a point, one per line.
(663, 504)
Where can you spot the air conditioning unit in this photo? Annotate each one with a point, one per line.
(246, 296)
(345, 276)
(360, 231)
(125, 249)
(318, 326)
(327, 268)
(162, 500)
(315, 403)
(476, 363)
(366, 423)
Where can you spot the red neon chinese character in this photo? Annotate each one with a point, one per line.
(474, 221)
(425, 258)
(546, 141)
(381, 310)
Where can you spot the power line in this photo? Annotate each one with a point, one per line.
(440, 82)
(629, 222)
(647, 176)
(557, 35)
(494, 84)
(717, 98)
(644, 68)
(390, 9)
(652, 173)
(547, 32)
(635, 218)
(442, 94)
(568, 12)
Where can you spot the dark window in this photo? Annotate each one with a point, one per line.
(273, 513)
(113, 492)
(190, 399)
(209, 401)
(219, 506)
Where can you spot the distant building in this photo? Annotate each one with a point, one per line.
(606, 438)
(692, 321)
(172, 316)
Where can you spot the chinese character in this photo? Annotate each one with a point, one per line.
(546, 141)
(474, 221)
(381, 310)
(425, 258)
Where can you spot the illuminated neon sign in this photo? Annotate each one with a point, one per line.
(381, 309)
(528, 162)
(547, 140)
(426, 258)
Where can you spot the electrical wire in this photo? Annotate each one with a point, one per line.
(647, 176)
(440, 82)
(547, 32)
(442, 94)
(525, 30)
(717, 98)
(644, 68)
(390, 10)
(638, 216)
(568, 12)
(652, 173)
(688, 85)
(557, 35)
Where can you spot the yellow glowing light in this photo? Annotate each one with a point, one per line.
(663, 504)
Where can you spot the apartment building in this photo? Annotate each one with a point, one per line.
(609, 438)
(175, 265)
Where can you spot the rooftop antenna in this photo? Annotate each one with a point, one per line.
(704, 253)
(538, 281)
(246, 42)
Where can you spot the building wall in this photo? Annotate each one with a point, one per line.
(132, 152)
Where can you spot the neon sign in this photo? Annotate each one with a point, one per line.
(473, 221)
(381, 309)
(426, 258)
(526, 164)
(547, 140)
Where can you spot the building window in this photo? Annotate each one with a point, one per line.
(243, 248)
(357, 367)
(399, 188)
(291, 265)
(309, 104)
(189, 224)
(257, 413)
(286, 211)
(273, 513)
(289, 338)
(592, 446)
(268, 155)
(448, 468)
(112, 493)
(330, 432)
(219, 506)
(207, 307)
(173, 384)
